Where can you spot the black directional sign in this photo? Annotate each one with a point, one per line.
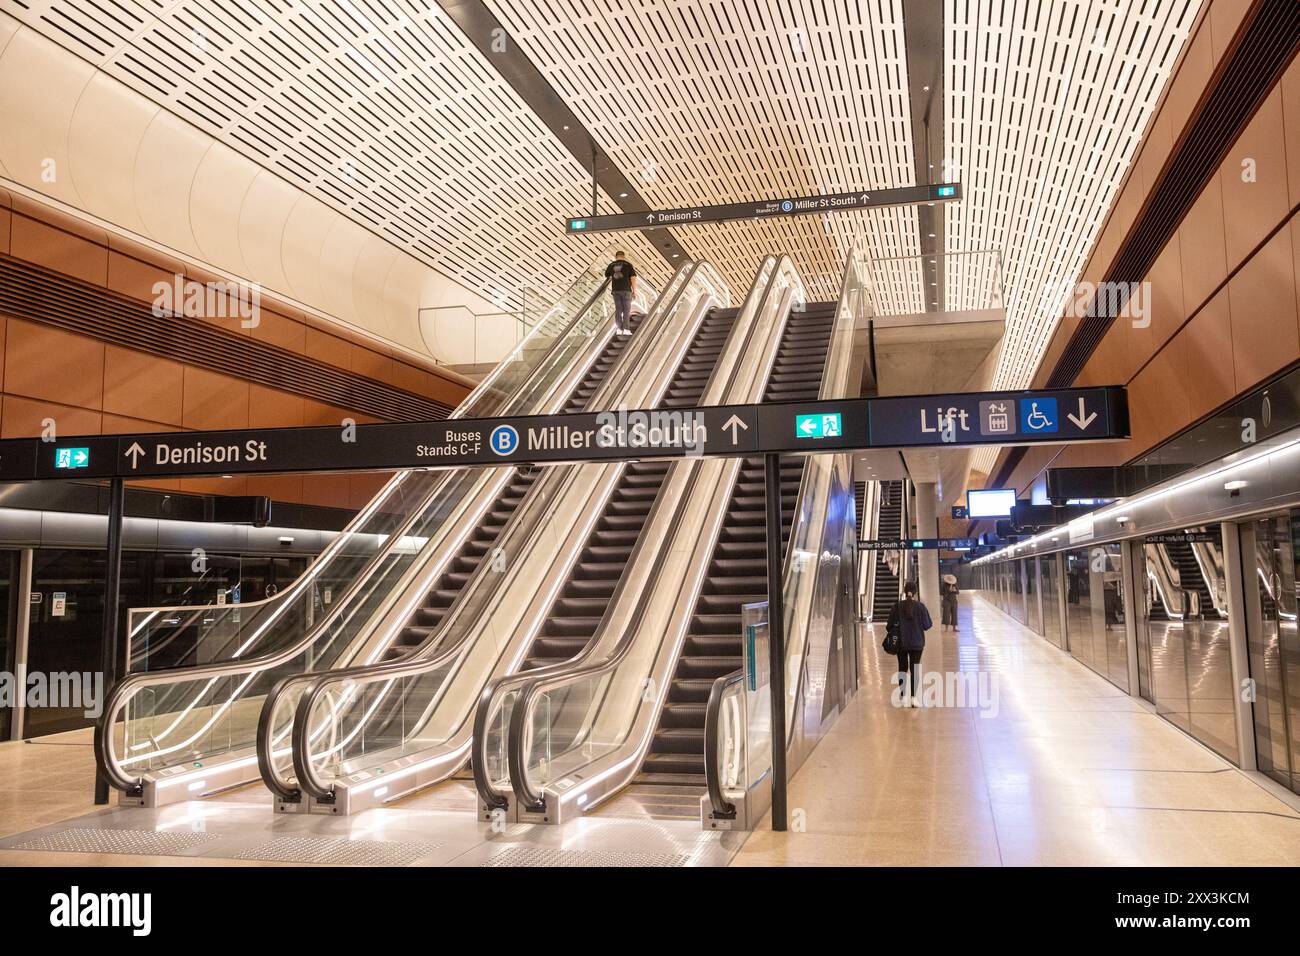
(999, 418)
(767, 208)
(979, 418)
(917, 544)
(1184, 537)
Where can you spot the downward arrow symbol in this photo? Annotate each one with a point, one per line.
(1085, 417)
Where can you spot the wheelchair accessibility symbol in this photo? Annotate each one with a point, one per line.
(1038, 415)
(503, 440)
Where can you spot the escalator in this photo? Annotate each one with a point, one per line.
(889, 527)
(425, 622)
(624, 728)
(176, 732)
(577, 611)
(1190, 577)
(357, 731)
(737, 572)
(581, 604)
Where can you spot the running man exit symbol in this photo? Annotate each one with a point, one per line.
(71, 457)
(818, 426)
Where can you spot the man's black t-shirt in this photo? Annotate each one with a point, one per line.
(621, 272)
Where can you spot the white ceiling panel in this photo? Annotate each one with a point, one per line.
(711, 101)
(382, 110)
(1045, 106)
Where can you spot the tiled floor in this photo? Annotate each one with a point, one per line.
(1068, 770)
(1065, 770)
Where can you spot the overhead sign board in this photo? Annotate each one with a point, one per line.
(1184, 537)
(795, 427)
(767, 208)
(918, 544)
(992, 418)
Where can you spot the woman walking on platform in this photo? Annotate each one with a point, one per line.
(909, 619)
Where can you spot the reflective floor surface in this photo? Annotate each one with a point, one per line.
(48, 818)
(1064, 769)
(1022, 756)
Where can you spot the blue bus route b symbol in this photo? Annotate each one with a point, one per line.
(504, 440)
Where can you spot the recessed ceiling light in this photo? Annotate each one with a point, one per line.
(1235, 485)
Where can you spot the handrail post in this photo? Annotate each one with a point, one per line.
(776, 635)
(112, 592)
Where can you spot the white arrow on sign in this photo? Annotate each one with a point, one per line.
(1085, 417)
(650, 218)
(134, 453)
(737, 425)
(807, 426)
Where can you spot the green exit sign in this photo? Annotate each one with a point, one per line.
(818, 426)
(72, 458)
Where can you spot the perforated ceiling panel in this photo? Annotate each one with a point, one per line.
(382, 110)
(719, 100)
(729, 100)
(1045, 106)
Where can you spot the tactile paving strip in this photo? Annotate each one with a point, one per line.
(140, 842)
(342, 851)
(547, 856)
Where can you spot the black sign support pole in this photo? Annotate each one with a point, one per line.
(776, 635)
(112, 592)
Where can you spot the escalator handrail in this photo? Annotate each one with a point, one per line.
(714, 785)
(723, 808)
(492, 797)
(130, 684)
(530, 690)
(412, 665)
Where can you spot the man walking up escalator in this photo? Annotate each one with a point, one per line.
(622, 286)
